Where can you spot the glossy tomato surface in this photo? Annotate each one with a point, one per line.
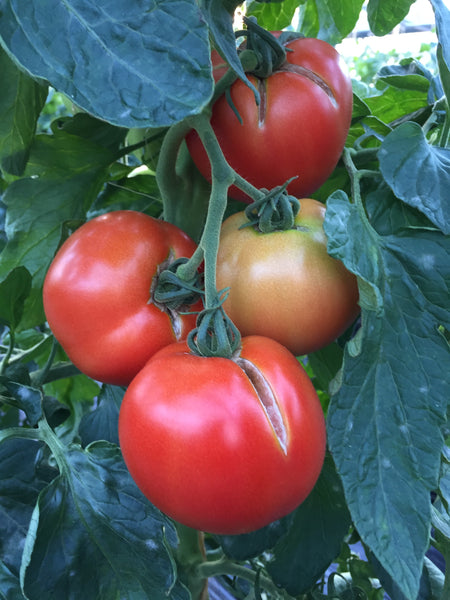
(220, 445)
(97, 296)
(299, 128)
(283, 284)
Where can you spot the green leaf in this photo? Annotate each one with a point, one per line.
(418, 173)
(395, 103)
(393, 390)
(63, 177)
(93, 535)
(13, 292)
(102, 423)
(273, 16)
(407, 75)
(140, 67)
(23, 474)
(329, 20)
(384, 15)
(315, 536)
(21, 102)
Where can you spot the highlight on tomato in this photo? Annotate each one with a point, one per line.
(223, 445)
(298, 129)
(99, 294)
(284, 284)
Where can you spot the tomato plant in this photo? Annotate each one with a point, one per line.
(95, 108)
(223, 445)
(298, 129)
(98, 294)
(284, 284)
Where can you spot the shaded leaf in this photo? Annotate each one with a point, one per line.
(418, 173)
(93, 535)
(391, 398)
(249, 545)
(151, 67)
(21, 102)
(14, 290)
(315, 537)
(102, 422)
(21, 480)
(85, 126)
(63, 177)
(9, 584)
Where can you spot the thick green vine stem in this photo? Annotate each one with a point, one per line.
(215, 333)
(175, 293)
(276, 211)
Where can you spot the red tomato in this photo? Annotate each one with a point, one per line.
(283, 284)
(299, 128)
(97, 296)
(220, 445)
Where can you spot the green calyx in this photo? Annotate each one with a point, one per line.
(173, 293)
(276, 211)
(215, 333)
(270, 53)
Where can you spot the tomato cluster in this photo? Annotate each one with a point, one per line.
(224, 444)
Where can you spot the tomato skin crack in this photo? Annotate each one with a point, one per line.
(267, 400)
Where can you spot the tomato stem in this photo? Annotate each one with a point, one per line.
(225, 566)
(190, 552)
(222, 178)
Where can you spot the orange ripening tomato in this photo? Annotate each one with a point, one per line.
(284, 284)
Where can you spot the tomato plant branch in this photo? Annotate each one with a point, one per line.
(225, 566)
(222, 178)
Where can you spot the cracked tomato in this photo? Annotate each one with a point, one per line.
(223, 445)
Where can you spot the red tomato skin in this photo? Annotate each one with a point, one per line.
(303, 132)
(199, 445)
(97, 290)
(284, 284)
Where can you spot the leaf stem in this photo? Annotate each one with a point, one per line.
(9, 351)
(356, 175)
(169, 182)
